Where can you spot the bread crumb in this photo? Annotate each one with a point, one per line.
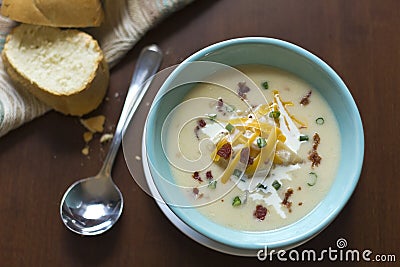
(87, 136)
(94, 124)
(106, 137)
(85, 150)
(138, 158)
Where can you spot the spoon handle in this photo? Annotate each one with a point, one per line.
(147, 65)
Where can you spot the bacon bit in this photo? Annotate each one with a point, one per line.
(289, 206)
(316, 140)
(243, 89)
(225, 151)
(260, 212)
(201, 123)
(286, 201)
(315, 158)
(250, 161)
(242, 95)
(196, 193)
(288, 193)
(300, 203)
(313, 155)
(209, 175)
(220, 102)
(222, 200)
(306, 99)
(196, 132)
(299, 188)
(196, 176)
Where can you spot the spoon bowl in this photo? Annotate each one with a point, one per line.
(93, 205)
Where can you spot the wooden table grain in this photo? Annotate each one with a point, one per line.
(360, 39)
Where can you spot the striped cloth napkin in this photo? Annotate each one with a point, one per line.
(126, 22)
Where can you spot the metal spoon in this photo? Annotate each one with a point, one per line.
(91, 206)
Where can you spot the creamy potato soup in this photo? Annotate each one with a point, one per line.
(254, 153)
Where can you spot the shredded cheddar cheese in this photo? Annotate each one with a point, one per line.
(259, 124)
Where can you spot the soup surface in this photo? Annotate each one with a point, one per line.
(253, 152)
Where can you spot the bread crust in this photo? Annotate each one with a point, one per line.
(79, 102)
(55, 13)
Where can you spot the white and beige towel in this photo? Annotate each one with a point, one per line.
(126, 21)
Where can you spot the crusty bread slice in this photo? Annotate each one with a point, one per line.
(56, 13)
(65, 69)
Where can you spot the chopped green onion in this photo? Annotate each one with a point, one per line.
(212, 184)
(276, 185)
(320, 121)
(313, 178)
(303, 138)
(261, 186)
(212, 116)
(261, 142)
(229, 127)
(236, 201)
(237, 173)
(265, 85)
(274, 114)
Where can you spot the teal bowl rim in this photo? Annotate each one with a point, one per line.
(299, 237)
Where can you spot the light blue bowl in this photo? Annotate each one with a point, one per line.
(287, 56)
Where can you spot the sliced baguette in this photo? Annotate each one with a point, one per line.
(56, 13)
(65, 69)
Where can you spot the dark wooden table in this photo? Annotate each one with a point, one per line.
(360, 39)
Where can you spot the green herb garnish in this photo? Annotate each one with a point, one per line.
(236, 201)
(229, 127)
(237, 173)
(320, 121)
(212, 184)
(212, 116)
(303, 138)
(274, 114)
(261, 142)
(262, 186)
(265, 85)
(276, 185)
(313, 179)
